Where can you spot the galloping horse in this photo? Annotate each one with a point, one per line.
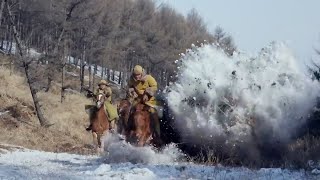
(124, 107)
(100, 122)
(135, 122)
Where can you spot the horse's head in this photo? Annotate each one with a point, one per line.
(123, 105)
(100, 98)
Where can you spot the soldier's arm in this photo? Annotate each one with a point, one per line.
(108, 91)
(95, 94)
(130, 85)
(131, 82)
(153, 86)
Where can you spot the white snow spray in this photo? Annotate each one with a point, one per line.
(240, 98)
(122, 152)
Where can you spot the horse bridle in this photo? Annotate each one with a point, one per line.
(100, 100)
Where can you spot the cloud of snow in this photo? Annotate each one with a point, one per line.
(120, 152)
(240, 98)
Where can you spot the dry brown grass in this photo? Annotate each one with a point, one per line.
(302, 150)
(21, 127)
(293, 155)
(69, 116)
(14, 87)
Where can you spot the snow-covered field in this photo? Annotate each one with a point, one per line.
(29, 164)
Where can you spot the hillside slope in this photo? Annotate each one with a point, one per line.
(20, 126)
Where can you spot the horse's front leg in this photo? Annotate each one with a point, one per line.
(141, 138)
(148, 138)
(102, 140)
(131, 136)
(96, 141)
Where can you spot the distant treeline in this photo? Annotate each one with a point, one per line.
(116, 34)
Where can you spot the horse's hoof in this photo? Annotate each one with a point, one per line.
(121, 137)
(112, 131)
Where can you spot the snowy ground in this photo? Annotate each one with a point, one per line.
(29, 164)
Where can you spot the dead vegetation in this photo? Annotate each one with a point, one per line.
(19, 125)
(296, 154)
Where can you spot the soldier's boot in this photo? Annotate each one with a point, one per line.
(112, 126)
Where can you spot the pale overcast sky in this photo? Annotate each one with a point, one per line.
(255, 23)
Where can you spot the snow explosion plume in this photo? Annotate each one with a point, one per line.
(240, 98)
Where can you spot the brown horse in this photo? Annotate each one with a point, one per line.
(100, 122)
(124, 107)
(135, 122)
(141, 120)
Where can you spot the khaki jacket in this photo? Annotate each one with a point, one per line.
(107, 91)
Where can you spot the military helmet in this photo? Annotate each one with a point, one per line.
(138, 69)
(103, 82)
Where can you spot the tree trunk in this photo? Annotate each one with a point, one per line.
(9, 40)
(120, 77)
(62, 84)
(1, 46)
(11, 66)
(1, 11)
(94, 77)
(90, 74)
(82, 78)
(65, 53)
(113, 75)
(82, 68)
(101, 74)
(108, 74)
(42, 120)
(102, 67)
(51, 68)
(124, 79)
(168, 79)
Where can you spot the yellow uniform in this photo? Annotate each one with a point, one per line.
(110, 108)
(146, 85)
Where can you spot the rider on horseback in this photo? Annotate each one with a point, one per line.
(111, 110)
(143, 87)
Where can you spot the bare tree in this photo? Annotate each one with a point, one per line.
(42, 120)
(54, 56)
(224, 41)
